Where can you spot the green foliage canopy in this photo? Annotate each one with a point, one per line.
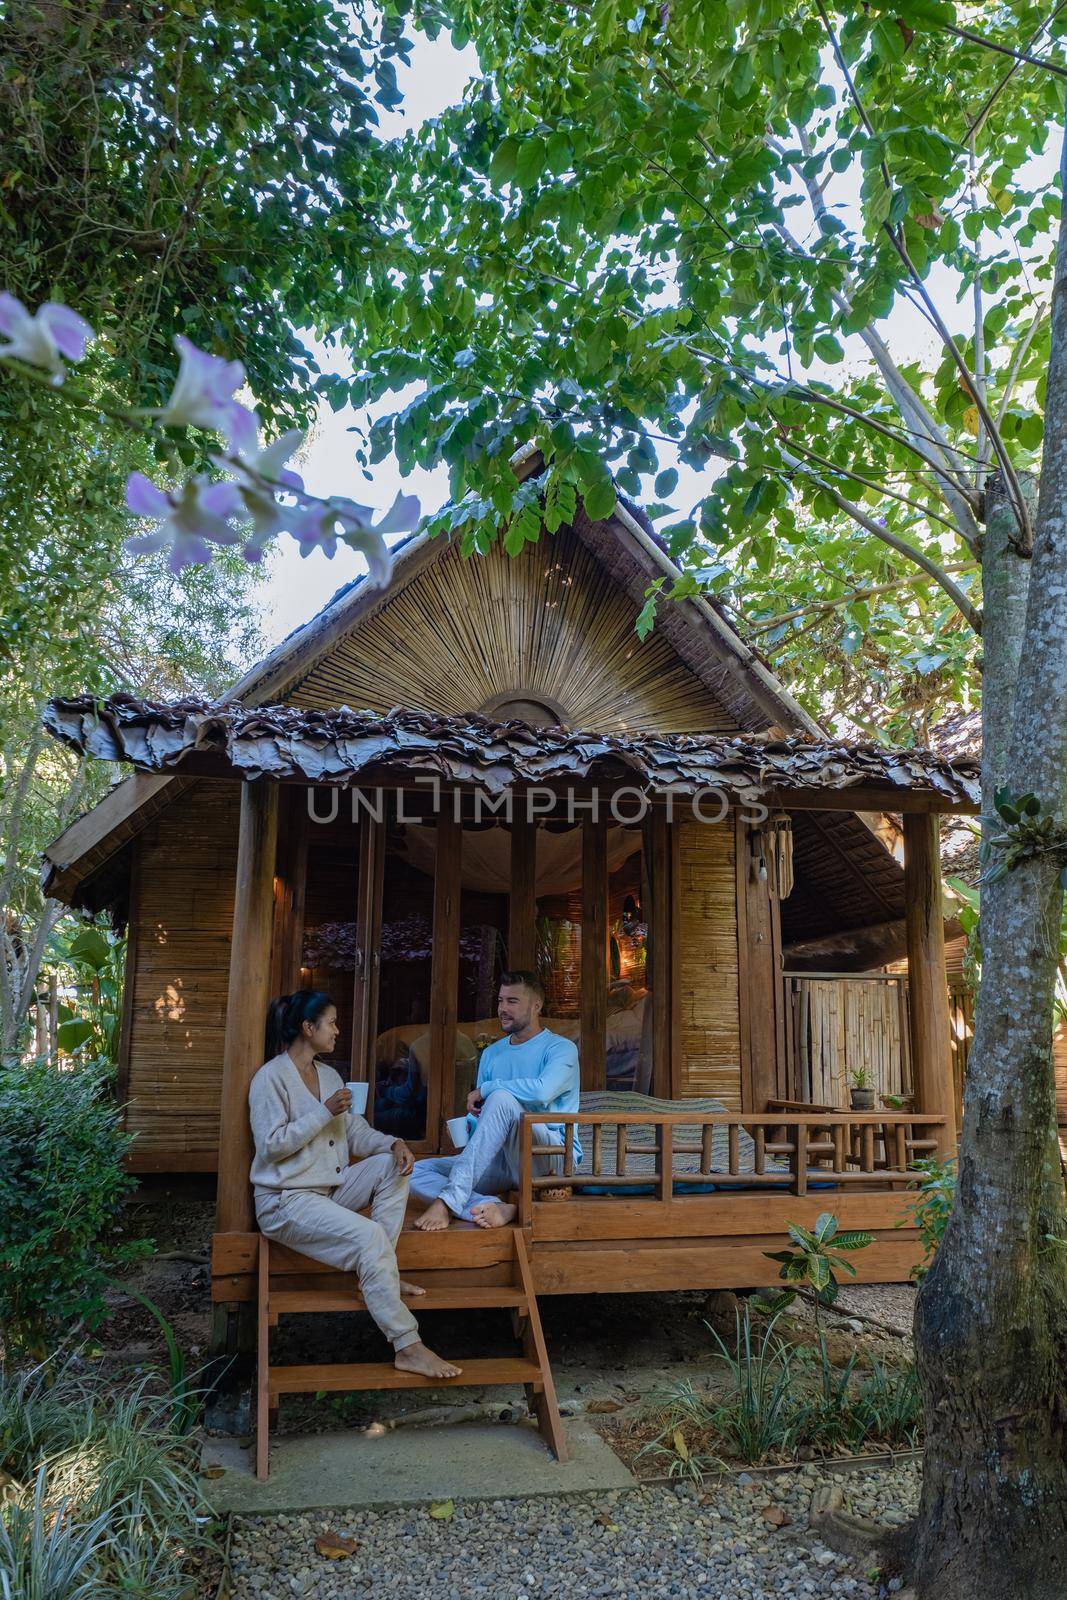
(673, 234)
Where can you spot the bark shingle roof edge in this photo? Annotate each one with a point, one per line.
(337, 746)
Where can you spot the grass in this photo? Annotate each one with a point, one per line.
(103, 1497)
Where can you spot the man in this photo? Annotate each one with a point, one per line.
(529, 1069)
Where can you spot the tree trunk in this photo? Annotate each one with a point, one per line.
(991, 1319)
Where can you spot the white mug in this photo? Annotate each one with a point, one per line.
(358, 1091)
(458, 1131)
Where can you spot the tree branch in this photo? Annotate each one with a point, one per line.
(1020, 356)
(928, 565)
(1006, 465)
(976, 126)
(1018, 56)
(867, 593)
(872, 483)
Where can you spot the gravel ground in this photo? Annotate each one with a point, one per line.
(716, 1544)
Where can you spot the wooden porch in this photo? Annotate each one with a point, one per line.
(713, 1195)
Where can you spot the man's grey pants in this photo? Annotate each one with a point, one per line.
(323, 1223)
(489, 1166)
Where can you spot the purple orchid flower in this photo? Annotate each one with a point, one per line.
(43, 339)
(203, 398)
(190, 522)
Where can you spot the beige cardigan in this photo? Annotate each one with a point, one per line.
(299, 1145)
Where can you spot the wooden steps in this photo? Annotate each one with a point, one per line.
(474, 1297)
(383, 1375)
(287, 1284)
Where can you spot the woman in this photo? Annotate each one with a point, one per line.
(316, 1165)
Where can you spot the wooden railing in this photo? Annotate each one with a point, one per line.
(788, 1151)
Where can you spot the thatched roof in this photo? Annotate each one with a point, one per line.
(852, 880)
(959, 737)
(222, 738)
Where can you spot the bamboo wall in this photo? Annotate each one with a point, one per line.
(840, 1024)
(180, 923)
(706, 1015)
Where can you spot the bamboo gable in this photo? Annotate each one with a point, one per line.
(549, 625)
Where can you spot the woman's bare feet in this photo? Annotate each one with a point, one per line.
(434, 1218)
(411, 1291)
(418, 1358)
(493, 1213)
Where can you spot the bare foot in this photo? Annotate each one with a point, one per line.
(434, 1218)
(418, 1358)
(411, 1291)
(493, 1213)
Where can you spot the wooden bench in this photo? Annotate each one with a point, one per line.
(463, 1269)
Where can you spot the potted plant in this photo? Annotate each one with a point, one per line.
(862, 1091)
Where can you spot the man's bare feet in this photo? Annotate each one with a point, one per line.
(411, 1291)
(418, 1358)
(493, 1213)
(434, 1218)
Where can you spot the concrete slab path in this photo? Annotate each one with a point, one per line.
(410, 1466)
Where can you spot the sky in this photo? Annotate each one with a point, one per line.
(297, 587)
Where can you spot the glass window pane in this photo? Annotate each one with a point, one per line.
(401, 1055)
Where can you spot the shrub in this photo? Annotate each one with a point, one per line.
(814, 1263)
(62, 1185)
(780, 1402)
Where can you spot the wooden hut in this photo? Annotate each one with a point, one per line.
(721, 966)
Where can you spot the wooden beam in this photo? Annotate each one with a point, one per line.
(658, 960)
(594, 999)
(248, 995)
(444, 991)
(368, 940)
(859, 798)
(928, 1013)
(94, 838)
(858, 948)
(522, 905)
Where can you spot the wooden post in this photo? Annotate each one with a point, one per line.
(928, 1014)
(656, 847)
(129, 978)
(759, 980)
(444, 992)
(247, 998)
(290, 887)
(368, 938)
(594, 1004)
(522, 906)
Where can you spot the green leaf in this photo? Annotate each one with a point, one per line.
(502, 166)
(91, 947)
(666, 483)
(71, 1036)
(530, 161)
(600, 501)
(827, 348)
(825, 1227)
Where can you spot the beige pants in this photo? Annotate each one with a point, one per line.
(323, 1224)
